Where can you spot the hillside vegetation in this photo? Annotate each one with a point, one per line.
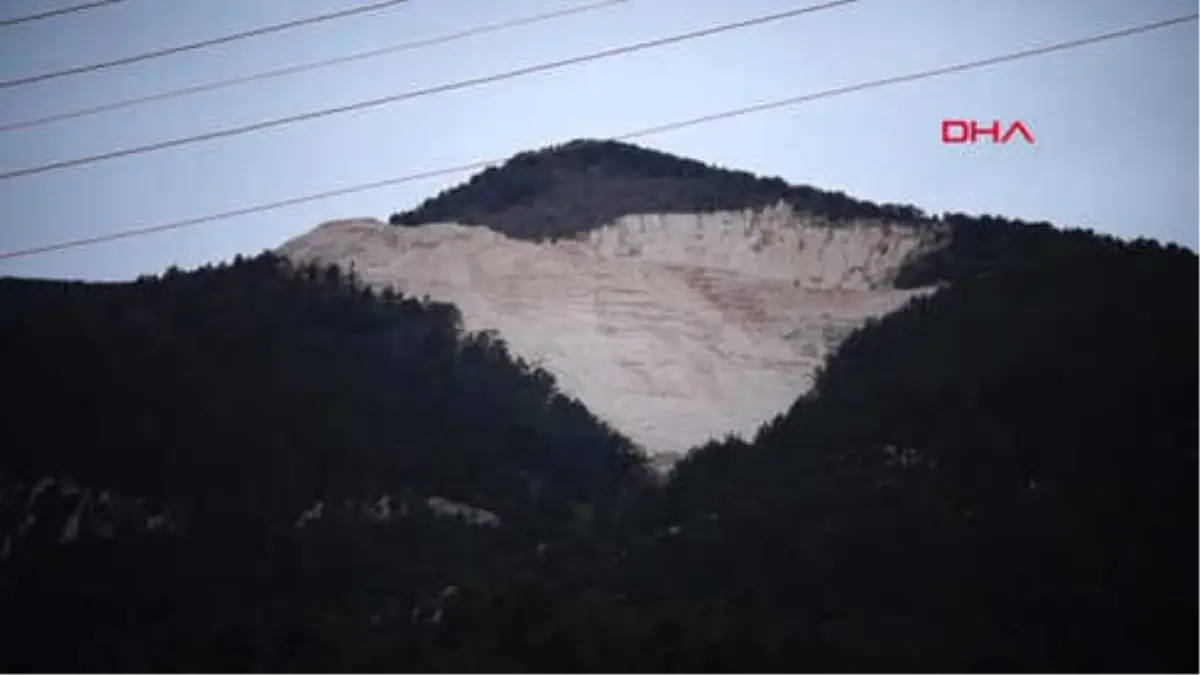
(237, 398)
(1000, 476)
(566, 189)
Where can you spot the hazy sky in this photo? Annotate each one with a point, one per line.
(1116, 123)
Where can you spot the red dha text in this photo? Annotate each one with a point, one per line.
(969, 131)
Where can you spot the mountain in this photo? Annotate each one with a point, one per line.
(679, 302)
(575, 187)
(979, 452)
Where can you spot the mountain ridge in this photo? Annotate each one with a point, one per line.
(571, 187)
(566, 189)
(989, 466)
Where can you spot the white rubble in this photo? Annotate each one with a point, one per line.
(471, 514)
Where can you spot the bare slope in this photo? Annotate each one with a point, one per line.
(676, 328)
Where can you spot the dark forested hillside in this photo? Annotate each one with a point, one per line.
(236, 398)
(223, 360)
(562, 190)
(1000, 476)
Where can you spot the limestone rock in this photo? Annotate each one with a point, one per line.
(674, 328)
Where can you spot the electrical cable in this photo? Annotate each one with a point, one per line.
(313, 65)
(417, 93)
(50, 13)
(647, 131)
(224, 39)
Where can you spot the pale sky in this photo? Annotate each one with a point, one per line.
(1115, 123)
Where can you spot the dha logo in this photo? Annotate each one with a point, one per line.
(969, 131)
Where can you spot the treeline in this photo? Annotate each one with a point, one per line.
(238, 397)
(575, 187)
(563, 190)
(246, 368)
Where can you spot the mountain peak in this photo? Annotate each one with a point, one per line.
(566, 189)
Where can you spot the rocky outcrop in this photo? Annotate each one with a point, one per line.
(388, 508)
(675, 328)
(59, 511)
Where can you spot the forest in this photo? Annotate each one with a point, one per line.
(1001, 476)
(566, 189)
(240, 395)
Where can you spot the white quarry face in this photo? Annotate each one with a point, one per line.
(673, 328)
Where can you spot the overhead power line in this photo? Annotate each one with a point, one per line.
(168, 51)
(313, 65)
(50, 13)
(647, 131)
(417, 93)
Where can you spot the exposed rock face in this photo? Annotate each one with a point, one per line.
(675, 328)
(58, 511)
(384, 509)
